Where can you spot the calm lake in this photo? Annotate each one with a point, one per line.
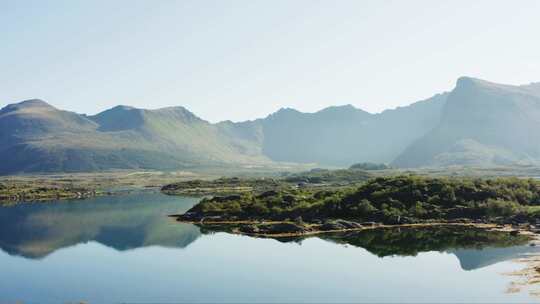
(125, 249)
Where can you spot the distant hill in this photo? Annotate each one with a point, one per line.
(345, 135)
(482, 123)
(477, 123)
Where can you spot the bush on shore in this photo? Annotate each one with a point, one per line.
(401, 199)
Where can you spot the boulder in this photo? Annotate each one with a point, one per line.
(284, 228)
(332, 225)
(222, 199)
(268, 194)
(249, 229)
(349, 224)
(370, 224)
(289, 199)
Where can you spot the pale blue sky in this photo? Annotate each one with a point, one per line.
(245, 59)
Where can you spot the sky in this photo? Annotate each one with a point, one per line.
(244, 59)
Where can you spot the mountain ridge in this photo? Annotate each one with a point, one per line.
(482, 123)
(477, 123)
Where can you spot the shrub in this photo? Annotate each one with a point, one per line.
(497, 207)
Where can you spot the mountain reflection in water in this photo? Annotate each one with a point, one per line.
(121, 222)
(139, 220)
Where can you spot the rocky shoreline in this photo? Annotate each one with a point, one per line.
(287, 228)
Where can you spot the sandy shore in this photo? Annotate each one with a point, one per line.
(527, 279)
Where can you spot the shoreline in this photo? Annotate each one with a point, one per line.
(234, 226)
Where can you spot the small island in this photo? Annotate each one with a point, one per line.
(403, 200)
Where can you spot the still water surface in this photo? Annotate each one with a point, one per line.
(125, 249)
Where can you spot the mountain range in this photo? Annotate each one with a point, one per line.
(477, 123)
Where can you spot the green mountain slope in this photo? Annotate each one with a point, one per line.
(37, 137)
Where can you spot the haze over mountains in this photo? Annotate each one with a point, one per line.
(477, 123)
(482, 123)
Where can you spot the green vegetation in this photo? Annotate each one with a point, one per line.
(11, 192)
(370, 166)
(390, 200)
(36, 137)
(329, 179)
(24, 188)
(224, 185)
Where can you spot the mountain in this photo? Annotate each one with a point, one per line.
(478, 123)
(344, 135)
(36, 137)
(482, 123)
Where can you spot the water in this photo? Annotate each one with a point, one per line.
(125, 249)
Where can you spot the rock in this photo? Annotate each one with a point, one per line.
(268, 194)
(370, 224)
(222, 199)
(507, 221)
(210, 218)
(332, 225)
(188, 216)
(284, 228)
(249, 229)
(289, 199)
(299, 221)
(462, 220)
(349, 224)
(498, 220)
(520, 219)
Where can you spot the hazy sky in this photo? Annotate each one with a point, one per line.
(240, 60)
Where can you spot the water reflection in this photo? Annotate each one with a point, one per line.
(474, 247)
(139, 220)
(121, 222)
